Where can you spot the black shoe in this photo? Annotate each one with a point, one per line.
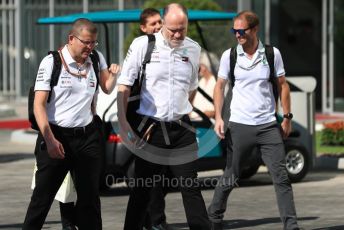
(216, 226)
(161, 226)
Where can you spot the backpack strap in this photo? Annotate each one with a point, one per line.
(150, 47)
(151, 43)
(270, 56)
(232, 62)
(95, 62)
(55, 74)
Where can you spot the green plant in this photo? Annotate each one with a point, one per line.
(333, 134)
(327, 149)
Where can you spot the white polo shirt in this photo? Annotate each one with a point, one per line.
(253, 102)
(170, 76)
(71, 98)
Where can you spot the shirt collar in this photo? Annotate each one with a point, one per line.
(260, 49)
(160, 38)
(68, 57)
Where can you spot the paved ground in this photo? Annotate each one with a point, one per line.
(319, 198)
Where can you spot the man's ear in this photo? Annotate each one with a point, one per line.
(70, 38)
(143, 28)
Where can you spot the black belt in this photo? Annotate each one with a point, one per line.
(76, 131)
(172, 124)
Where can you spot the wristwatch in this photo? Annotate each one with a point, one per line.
(289, 116)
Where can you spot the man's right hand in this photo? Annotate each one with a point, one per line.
(219, 128)
(55, 149)
(127, 135)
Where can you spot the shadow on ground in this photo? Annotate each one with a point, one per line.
(5, 158)
(243, 223)
(339, 227)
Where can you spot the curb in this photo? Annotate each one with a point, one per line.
(29, 136)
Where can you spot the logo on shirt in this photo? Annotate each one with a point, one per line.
(185, 59)
(66, 84)
(155, 57)
(92, 84)
(91, 76)
(128, 54)
(65, 73)
(40, 75)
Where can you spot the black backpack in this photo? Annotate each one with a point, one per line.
(134, 99)
(270, 56)
(54, 80)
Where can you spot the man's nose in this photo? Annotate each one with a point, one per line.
(237, 35)
(177, 34)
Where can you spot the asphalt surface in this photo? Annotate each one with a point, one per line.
(319, 198)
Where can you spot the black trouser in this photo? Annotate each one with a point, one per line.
(68, 212)
(194, 206)
(83, 159)
(156, 208)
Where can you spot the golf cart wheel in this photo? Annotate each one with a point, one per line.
(296, 162)
(249, 171)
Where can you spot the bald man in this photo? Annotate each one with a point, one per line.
(167, 134)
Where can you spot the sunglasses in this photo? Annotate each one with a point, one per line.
(240, 31)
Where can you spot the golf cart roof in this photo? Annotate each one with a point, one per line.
(116, 16)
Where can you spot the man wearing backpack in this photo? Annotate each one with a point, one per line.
(166, 137)
(252, 120)
(68, 138)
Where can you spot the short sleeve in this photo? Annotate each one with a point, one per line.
(224, 65)
(43, 77)
(279, 66)
(102, 62)
(194, 77)
(133, 61)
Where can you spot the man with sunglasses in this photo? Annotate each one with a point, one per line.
(252, 122)
(68, 139)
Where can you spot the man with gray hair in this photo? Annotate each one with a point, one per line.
(171, 79)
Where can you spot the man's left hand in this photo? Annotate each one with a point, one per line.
(114, 69)
(286, 128)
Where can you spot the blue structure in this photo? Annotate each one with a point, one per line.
(116, 16)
